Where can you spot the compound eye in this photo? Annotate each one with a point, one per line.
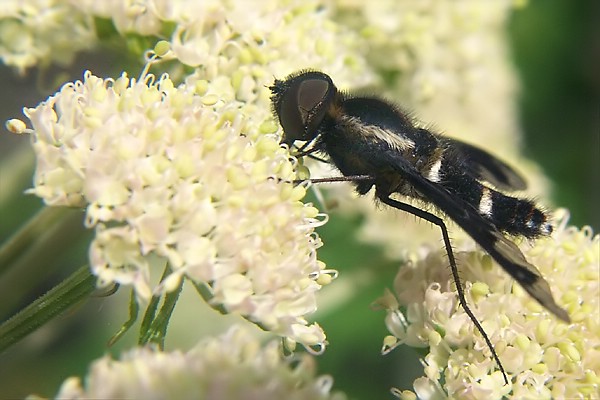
(311, 94)
(304, 105)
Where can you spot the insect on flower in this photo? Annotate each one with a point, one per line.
(375, 144)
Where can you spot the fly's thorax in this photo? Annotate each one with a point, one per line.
(373, 135)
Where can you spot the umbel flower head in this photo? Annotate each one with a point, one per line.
(41, 32)
(177, 175)
(233, 366)
(543, 357)
(192, 175)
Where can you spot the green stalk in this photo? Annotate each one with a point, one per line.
(134, 309)
(30, 234)
(158, 329)
(66, 294)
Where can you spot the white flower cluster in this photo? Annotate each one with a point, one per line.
(247, 42)
(41, 32)
(543, 357)
(174, 174)
(189, 175)
(233, 366)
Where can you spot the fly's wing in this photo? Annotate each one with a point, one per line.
(505, 252)
(484, 166)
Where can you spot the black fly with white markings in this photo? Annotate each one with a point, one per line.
(375, 144)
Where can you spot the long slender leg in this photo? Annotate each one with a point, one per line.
(352, 178)
(461, 294)
(434, 219)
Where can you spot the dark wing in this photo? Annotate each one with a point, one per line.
(505, 252)
(484, 166)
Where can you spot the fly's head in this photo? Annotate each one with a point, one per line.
(300, 102)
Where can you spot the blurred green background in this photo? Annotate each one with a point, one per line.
(556, 48)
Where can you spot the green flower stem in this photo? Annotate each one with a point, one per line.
(16, 168)
(134, 309)
(150, 313)
(25, 238)
(158, 328)
(69, 292)
(35, 251)
(207, 295)
(154, 325)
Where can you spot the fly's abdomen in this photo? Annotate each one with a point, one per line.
(513, 215)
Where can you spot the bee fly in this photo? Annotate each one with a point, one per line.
(375, 144)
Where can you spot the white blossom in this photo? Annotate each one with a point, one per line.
(543, 357)
(232, 366)
(166, 178)
(41, 32)
(243, 43)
